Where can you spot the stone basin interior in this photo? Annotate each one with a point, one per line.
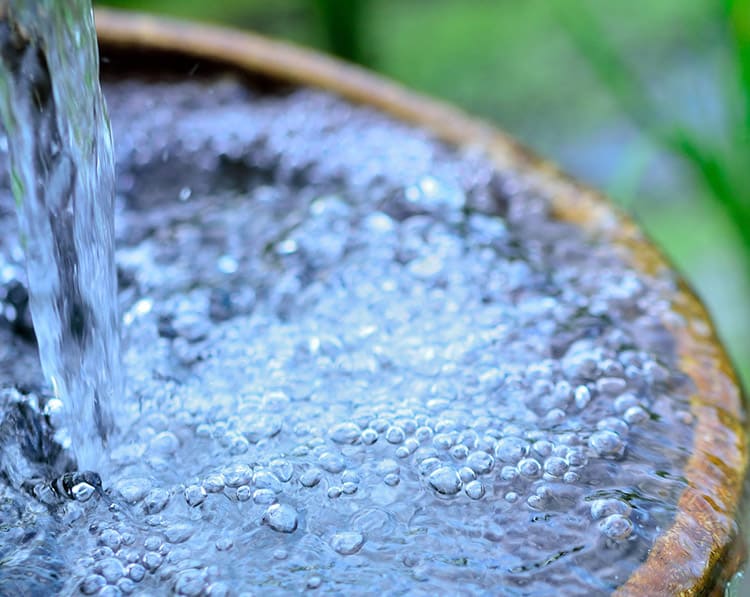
(356, 357)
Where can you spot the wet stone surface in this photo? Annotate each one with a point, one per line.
(354, 359)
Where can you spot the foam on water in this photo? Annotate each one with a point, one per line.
(356, 359)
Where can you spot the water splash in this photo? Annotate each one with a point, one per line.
(62, 175)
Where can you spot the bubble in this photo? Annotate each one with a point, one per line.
(133, 490)
(607, 444)
(332, 462)
(474, 489)
(314, 582)
(282, 469)
(605, 507)
(369, 436)
(576, 457)
(111, 569)
(529, 468)
(582, 397)
(402, 452)
(616, 527)
(480, 462)
(345, 433)
(348, 542)
(152, 542)
(156, 500)
(136, 572)
(264, 496)
(195, 495)
(126, 586)
(459, 452)
(281, 518)
(614, 424)
(262, 427)
(508, 473)
(237, 474)
(163, 444)
(555, 466)
(311, 477)
(111, 538)
(92, 583)
(152, 561)
(267, 480)
(624, 402)
(635, 415)
(428, 465)
(224, 544)
(423, 434)
(466, 474)
(391, 479)
(386, 466)
(511, 497)
(445, 480)
(190, 583)
(611, 386)
(350, 476)
(178, 533)
(244, 493)
(571, 477)
(334, 491)
(394, 435)
(510, 449)
(214, 483)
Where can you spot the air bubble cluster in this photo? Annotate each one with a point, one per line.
(357, 358)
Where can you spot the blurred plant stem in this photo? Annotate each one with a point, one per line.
(341, 23)
(720, 163)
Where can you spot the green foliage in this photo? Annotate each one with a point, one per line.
(722, 166)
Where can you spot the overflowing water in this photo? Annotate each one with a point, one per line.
(356, 358)
(62, 174)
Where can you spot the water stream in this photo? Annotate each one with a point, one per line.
(62, 173)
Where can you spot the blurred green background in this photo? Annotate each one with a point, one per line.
(646, 100)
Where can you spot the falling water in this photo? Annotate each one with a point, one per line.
(62, 173)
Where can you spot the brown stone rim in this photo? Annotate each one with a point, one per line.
(689, 557)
